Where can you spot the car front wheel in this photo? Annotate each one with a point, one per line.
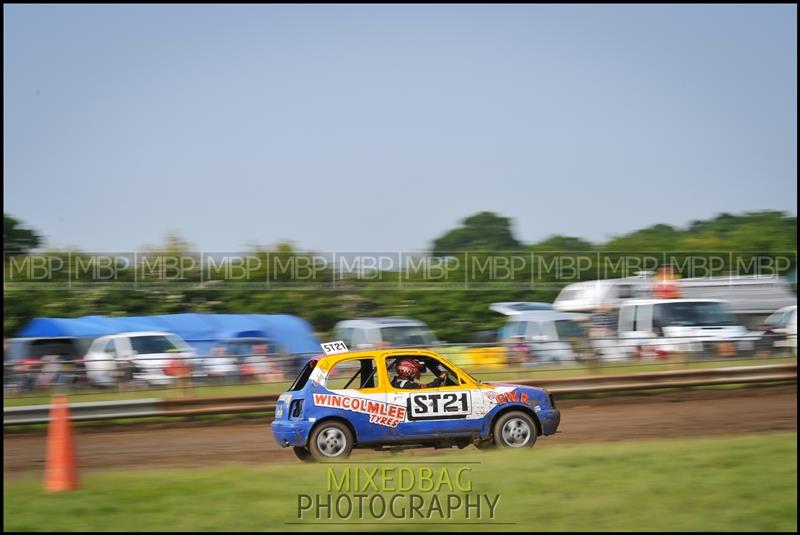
(330, 441)
(515, 429)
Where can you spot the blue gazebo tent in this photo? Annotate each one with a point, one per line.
(291, 333)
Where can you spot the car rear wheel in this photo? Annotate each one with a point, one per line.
(303, 454)
(330, 441)
(515, 429)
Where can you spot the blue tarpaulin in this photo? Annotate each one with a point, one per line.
(292, 334)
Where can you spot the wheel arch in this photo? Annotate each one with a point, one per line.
(521, 408)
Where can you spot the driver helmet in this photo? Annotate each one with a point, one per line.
(409, 369)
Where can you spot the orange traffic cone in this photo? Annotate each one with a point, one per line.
(60, 472)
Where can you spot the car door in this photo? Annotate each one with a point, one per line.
(352, 389)
(453, 409)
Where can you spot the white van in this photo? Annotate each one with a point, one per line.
(146, 355)
(657, 327)
(548, 335)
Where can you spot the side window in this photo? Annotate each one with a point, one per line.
(534, 329)
(659, 320)
(353, 374)
(549, 331)
(430, 370)
(358, 339)
(516, 328)
(110, 348)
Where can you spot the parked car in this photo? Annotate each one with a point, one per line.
(247, 358)
(44, 361)
(156, 358)
(367, 333)
(780, 329)
(543, 336)
(659, 327)
(347, 400)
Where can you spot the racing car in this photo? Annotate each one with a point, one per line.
(382, 400)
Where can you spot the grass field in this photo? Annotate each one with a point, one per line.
(484, 374)
(709, 484)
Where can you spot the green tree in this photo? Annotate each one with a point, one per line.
(485, 231)
(17, 239)
(564, 244)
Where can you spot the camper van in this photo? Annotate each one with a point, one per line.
(750, 298)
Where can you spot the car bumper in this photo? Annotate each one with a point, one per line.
(549, 419)
(291, 433)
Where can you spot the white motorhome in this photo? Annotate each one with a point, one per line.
(750, 298)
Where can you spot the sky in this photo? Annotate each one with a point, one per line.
(378, 128)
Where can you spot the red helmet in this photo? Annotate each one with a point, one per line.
(409, 369)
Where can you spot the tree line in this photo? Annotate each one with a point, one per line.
(482, 262)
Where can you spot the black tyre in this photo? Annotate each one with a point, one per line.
(330, 441)
(303, 454)
(515, 429)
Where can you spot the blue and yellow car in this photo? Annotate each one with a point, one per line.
(348, 400)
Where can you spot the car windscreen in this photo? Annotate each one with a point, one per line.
(408, 335)
(151, 344)
(64, 347)
(569, 329)
(778, 319)
(689, 313)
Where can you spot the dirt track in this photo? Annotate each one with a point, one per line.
(708, 412)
